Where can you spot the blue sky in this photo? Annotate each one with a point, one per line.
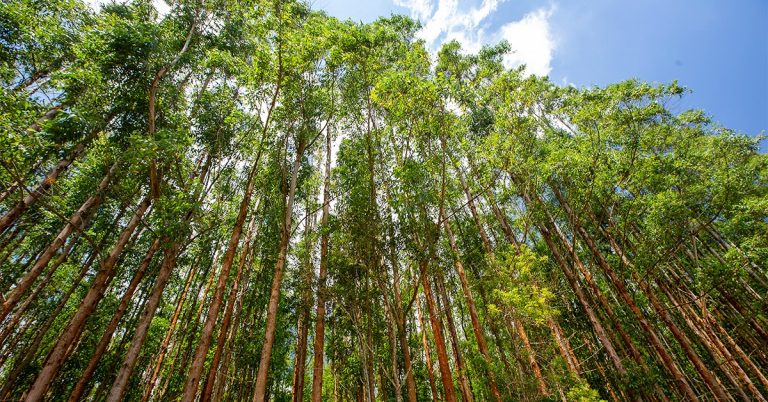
(718, 49)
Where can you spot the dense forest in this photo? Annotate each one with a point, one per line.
(252, 200)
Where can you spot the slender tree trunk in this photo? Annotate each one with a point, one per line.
(476, 326)
(368, 338)
(601, 369)
(74, 329)
(305, 291)
(167, 338)
(34, 77)
(427, 354)
(531, 358)
(83, 271)
(118, 389)
(444, 303)
(274, 297)
(32, 347)
(442, 355)
(711, 342)
(222, 386)
(706, 375)
(244, 255)
(104, 386)
(410, 380)
(489, 251)
(193, 378)
(76, 222)
(19, 313)
(597, 292)
(319, 343)
(756, 371)
(109, 331)
(394, 366)
(38, 192)
(571, 361)
(192, 309)
(600, 331)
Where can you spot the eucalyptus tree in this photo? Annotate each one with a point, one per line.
(189, 200)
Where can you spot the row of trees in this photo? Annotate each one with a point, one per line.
(252, 200)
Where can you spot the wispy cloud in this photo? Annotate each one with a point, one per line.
(530, 37)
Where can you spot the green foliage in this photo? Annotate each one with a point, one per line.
(583, 393)
(570, 210)
(517, 291)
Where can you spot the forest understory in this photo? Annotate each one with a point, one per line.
(252, 200)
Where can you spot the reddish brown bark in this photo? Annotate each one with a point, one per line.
(76, 222)
(319, 343)
(585, 304)
(74, 329)
(427, 354)
(476, 326)
(260, 391)
(302, 329)
(445, 306)
(167, 338)
(532, 358)
(32, 347)
(118, 389)
(649, 330)
(244, 256)
(42, 189)
(193, 378)
(437, 331)
(571, 361)
(10, 326)
(101, 347)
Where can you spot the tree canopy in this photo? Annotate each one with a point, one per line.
(252, 200)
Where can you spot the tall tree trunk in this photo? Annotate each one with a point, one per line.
(38, 192)
(76, 222)
(597, 326)
(489, 251)
(19, 313)
(32, 347)
(391, 323)
(74, 329)
(193, 378)
(437, 330)
(109, 331)
(597, 292)
(104, 386)
(714, 347)
(244, 255)
(118, 389)
(444, 303)
(531, 358)
(171, 328)
(476, 326)
(397, 307)
(222, 386)
(306, 275)
(319, 343)
(427, 354)
(706, 375)
(571, 361)
(260, 391)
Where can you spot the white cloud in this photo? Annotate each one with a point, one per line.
(162, 7)
(444, 20)
(420, 9)
(532, 42)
